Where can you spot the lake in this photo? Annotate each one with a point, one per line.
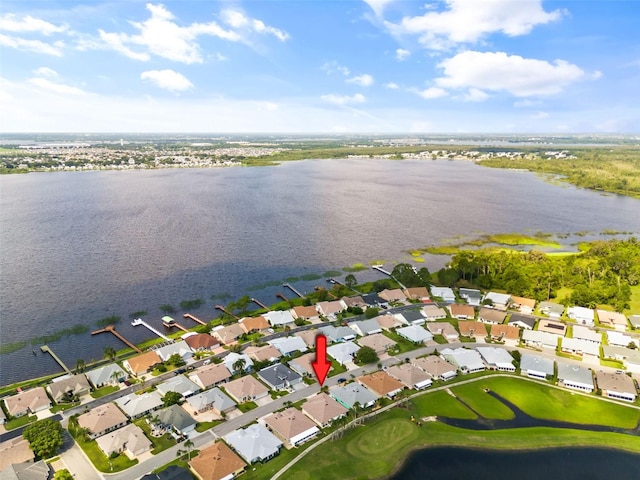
(76, 247)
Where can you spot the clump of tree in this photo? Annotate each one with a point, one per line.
(366, 355)
(171, 398)
(44, 437)
(408, 276)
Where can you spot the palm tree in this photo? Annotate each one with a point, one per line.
(115, 377)
(110, 353)
(188, 443)
(238, 366)
(80, 365)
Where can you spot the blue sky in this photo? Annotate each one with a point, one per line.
(383, 66)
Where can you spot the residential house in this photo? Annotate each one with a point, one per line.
(549, 326)
(279, 377)
(445, 293)
(254, 443)
(612, 319)
(353, 301)
(232, 360)
(445, 329)
(467, 361)
(308, 337)
(279, 318)
(616, 385)
(3, 417)
(291, 425)
(329, 308)
(366, 327)
(388, 322)
(136, 406)
(373, 300)
(522, 321)
(304, 312)
(179, 384)
(462, 312)
(576, 346)
(551, 309)
(432, 313)
(175, 418)
(13, 452)
(536, 367)
(499, 301)
(246, 389)
(26, 471)
(497, 359)
(338, 334)
(201, 342)
(435, 366)
(178, 348)
(508, 334)
(214, 399)
(108, 375)
(410, 376)
(129, 440)
(585, 333)
(621, 340)
(635, 321)
(491, 315)
(210, 375)
(217, 462)
(381, 383)
(63, 389)
(288, 345)
(26, 402)
(392, 295)
(378, 342)
(354, 393)
(477, 330)
(102, 420)
(302, 364)
(417, 293)
(229, 334)
(415, 334)
(472, 296)
(266, 353)
(344, 352)
(582, 315)
(574, 376)
(141, 364)
(537, 339)
(323, 409)
(253, 324)
(523, 305)
(411, 317)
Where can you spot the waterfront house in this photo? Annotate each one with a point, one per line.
(621, 340)
(27, 402)
(108, 375)
(201, 342)
(179, 384)
(64, 389)
(329, 308)
(467, 361)
(583, 348)
(323, 409)
(378, 342)
(392, 295)
(435, 366)
(551, 309)
(214, 399)
(537, 339)
(585, 333)
(616, 385)
(366, 327)
(253, 324)
(291, 425)
(352, 393)
(343, 353)
(574, 376)
(582, 315)
(308, 337)
(612, 319)
(522, 321)
(373, 300)
(302, 364)
(266, 353)
(246, 389)
(462, 312)
(472, 296)
(288, 345)
(508, 334)
(142, 363)
(254, 443)
(415, 334)
(417, 293)
(411, 317)
(523, 305)
(536, 367)
(499, 301)
(549, 326)
(228, 334)
(136, 406)
(410, 376)
(178, 348)
(445, 329)
(279, 318)
(381, 383)
(338, 334)
(210, 375)
(491, 315)
(477, 330)
(175, 418)
(217, 462)
(433, 312)
(445, 293)
(232, 358)
(129, 440)
(279, 377)
(353, 301)
(102, 420)
(388, 322)
(497, 359)
(306, 312)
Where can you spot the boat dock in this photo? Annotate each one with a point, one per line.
(194, 318)
(224, 310)
(112, 329)
(139, 321)
(290, 287)
(259, 303)
(381, 270)
(46, 349)
(282, 297)
(169, 322)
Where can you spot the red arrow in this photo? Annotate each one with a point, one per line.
(321, 366)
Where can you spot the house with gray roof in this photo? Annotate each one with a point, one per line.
(366, 327)
(635, 321)
(136, 406)
(352, 393)
(411, 317)
(497, 358)
(534, 366)
(535, 338)
(26, 471)
(498, 300)
(279, 377)
(338, 334)
(175, 418)
(467, 361)
(472, 296)
(575, 376)
(522, 321)
(445, 293)
(214, 399)
(415, 334)
(279, 318)
(343, 353)
(230, 360)
(288, 345)
(108, 375)
(179, 384)
(551, 309)
(630, 358)
(65, 388)
(182, 348)
(621, 340)
(254, 443)
(580, 347)
(585, 333)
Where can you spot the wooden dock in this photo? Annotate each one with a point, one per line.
(194, 318)
(381, 270)
(112, 329)
(46, 349)
(224, 310)
(257, 302)
(139, 321)
(290, 287)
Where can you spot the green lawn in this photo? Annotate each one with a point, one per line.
(61, 407)
(101, 392)
(246, 406)
(403, 345)
(20, 421)
(159, 443)
(336, 368)
(100, 460)
(204, 426)
(473, 394)
(440, 404)
(634, 304)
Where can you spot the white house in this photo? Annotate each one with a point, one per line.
(581, 315)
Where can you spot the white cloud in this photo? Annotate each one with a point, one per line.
(11, 23)
(392, 86)
(237, 19)
(468, 21)
(364, 80)
(167, 79)
(334, 67)
(378, 5)
(431, 93)
(474, 95)
(36, 46)
(497, 71)
(45, 72)
(526, 103)
(540, 116)
(402, 54)
(54, 87)
(343, 99)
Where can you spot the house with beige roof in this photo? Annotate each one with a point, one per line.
(214, 399)
(476, 330)
(417, 293)
(323, 409)
(302, 364)
(102, 420)
(15, 451)
(616, 385)
(445, 329)
(380, 343)
(308, 337)
(388, 322)
(462, 312)
(392, 295)
(522, 304)
(433, 312)
(585, 333)
(291, 425)
(266, 353)
(202, 342)
(246, 389)
(329, 308)
(305, 312)
(410, 376)
(228, 334)
(141, 364)
(381, 383)
(613, 319)
(508, 334)
(435, 366)
(253, 324)
(217, 462)
(354, 301)
(27, 402)
(129, 440)
(491, 315)
(210, 376)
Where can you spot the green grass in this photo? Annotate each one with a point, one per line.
(403, 345)
(519, 239)
(247, 406)
(159, 443)
(61, 407)
(336, 368)
(613, 364)
(440, 404)
(356, 267)
(473, 394)
(100, 460)
(204, 426)
(101, 392)
(634, 303)
(20, 422)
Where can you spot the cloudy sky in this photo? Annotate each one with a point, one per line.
(388, 66)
